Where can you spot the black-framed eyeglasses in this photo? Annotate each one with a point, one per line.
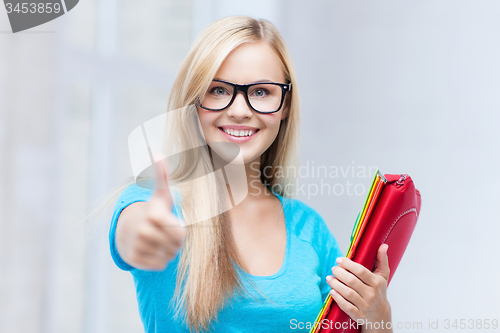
(262, 97)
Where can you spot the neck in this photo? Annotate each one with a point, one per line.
(255, 186)
(256, 189)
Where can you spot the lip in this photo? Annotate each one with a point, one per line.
(239, 127)
(239, 139)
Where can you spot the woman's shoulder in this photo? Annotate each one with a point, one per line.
(300, 208)
(308, 225)
(304, 220)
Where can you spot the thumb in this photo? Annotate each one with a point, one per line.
(162, 191)
(382, 264)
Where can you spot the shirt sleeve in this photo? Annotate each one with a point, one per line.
(131, 194)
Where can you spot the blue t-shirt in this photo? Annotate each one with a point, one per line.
(298, 289)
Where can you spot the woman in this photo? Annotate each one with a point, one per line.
(263, 265)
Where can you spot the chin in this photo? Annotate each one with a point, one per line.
(251, 159)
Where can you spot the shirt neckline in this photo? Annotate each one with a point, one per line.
(284, 265)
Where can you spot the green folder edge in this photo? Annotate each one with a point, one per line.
(365, 206)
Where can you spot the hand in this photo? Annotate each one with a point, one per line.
(148, 235)
(360, 293)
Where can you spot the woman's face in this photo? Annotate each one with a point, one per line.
(248, 63)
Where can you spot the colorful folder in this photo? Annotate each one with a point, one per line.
(389, 216)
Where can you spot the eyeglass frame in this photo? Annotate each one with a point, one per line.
(285, 87)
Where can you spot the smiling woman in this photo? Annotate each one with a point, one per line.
(265, 261)
(250, 64)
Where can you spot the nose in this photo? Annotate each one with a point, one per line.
(239, 109)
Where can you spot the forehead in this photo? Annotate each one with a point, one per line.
(251, 62)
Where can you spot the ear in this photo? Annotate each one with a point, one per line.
(286, 106)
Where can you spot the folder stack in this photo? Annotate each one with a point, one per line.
(376, 187)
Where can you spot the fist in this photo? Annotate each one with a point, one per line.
(148, 234)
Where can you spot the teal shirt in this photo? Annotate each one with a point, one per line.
(298, 289)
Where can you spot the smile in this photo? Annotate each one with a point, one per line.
(239, 135)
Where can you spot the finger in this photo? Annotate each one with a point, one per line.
(172, 241)
(167, 225)
(160, 210)
(350, 280)
(347, 293)
(350, 309)
(150, 263)
(382, 264)
(162, 190)
(154, 237)
(358, 270)
(160, 252)
(171, 232)
(176, 233)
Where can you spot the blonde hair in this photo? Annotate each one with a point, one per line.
(206, 275)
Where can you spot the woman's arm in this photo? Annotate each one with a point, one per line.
(362, 294)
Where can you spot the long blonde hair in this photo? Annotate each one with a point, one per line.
(207, 277)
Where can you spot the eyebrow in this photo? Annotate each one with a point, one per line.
(258, 81)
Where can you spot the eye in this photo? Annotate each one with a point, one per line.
(260, 92)
(219, 91)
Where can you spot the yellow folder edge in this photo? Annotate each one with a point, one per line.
(361, 221)
(366, 216)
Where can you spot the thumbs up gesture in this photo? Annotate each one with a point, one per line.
(148, 234)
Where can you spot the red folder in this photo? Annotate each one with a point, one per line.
(389, 216)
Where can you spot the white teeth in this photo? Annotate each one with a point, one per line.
(238, 133)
